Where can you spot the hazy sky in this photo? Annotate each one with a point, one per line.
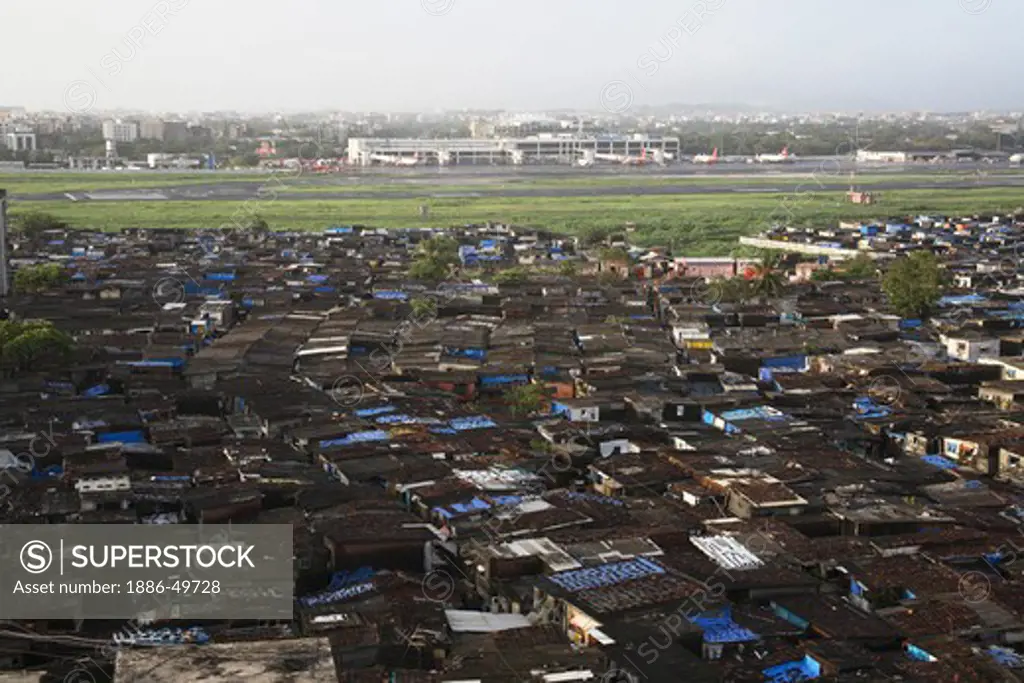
(263, 55)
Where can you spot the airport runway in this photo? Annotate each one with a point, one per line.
(827, 175)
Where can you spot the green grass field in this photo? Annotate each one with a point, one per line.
(697, 224)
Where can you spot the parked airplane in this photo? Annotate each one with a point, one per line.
(641, 160)
(707, 158)
(389, 160)
(617, 158)
(627, 160)
(781, 158)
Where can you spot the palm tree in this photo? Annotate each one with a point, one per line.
(766, 276)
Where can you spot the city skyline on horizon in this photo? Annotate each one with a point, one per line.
(429, 55)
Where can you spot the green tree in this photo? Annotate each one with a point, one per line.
(913, 284)
(424, 307)
(614, 254)
(39, 278)
(593, 235)
(435, 258)
(24, 343)
(528, 399)
(34, 224)
(860, 267)
(511, 276)
(568, 269)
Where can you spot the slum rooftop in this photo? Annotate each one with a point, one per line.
(557, 461)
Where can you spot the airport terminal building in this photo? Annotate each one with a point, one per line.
(538, 149)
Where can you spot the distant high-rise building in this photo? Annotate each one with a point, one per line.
(120, 131)
(175, 131)
(9, 113)
(152, 129)
(481, 129)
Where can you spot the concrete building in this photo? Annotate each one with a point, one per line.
(20, 141)
(120, 131)
(870, 156)
(152, 129)
(175, 131)
(539, 149)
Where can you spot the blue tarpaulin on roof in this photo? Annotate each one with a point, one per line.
(501, 501)
(576, 580)
(867, 409)
(962, 300)
(378, 410)
(338, 595)
(1004, 656)
(226, 276)
(718, 627)
(98, 390)
(316, 278)
(391, 296)
(939, 461)
(192, 288)
(805, 669)
(356, 437)
(475, 505)
(135, 436)
(475, 354)
(394, 419)
(796, 362)
(494, 380)
(462, 424)
(407, 420)
(48, 472)
(915, 652)
(594, 498)
(156, 363)
(759, 413)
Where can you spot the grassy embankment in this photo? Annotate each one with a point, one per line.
(698, 224)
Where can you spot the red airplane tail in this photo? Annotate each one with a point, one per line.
(714, 153)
